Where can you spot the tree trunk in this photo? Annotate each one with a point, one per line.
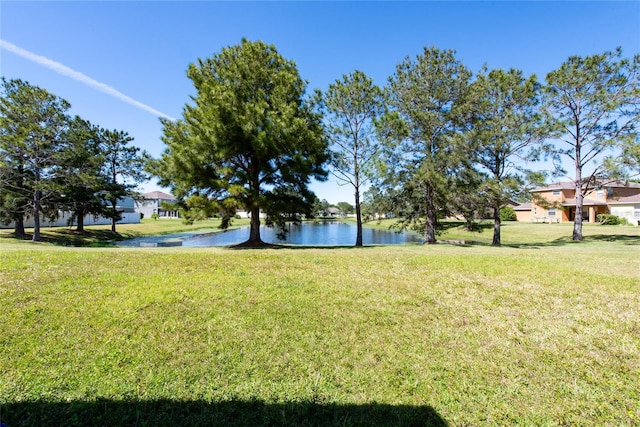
(80, 227)
(254, 234)
(496, 226)
(358, 219)
(114, 204)
(577, 221)
(36, 216)
(430, 226)
(18, 228)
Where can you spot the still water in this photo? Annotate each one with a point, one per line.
(308, 233)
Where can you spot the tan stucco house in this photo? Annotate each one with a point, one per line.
(556, 202)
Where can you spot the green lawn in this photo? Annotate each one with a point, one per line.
(102, 236)
(541, 331)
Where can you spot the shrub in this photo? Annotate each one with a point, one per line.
(155, 216)
(508, 214)
(608, 219)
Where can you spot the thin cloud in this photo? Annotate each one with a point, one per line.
(78, 76)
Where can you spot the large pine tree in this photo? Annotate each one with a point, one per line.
(32, 126)
(248, 140)
(597, 101)
(419, 134)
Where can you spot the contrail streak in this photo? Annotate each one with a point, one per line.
(78, 76)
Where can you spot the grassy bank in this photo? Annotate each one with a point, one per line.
(101, 235)
(539, 332)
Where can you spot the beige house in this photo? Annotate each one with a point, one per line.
(556, 203)
(523, 212)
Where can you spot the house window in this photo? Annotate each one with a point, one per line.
(556, 192)
(600, 193)
(552, 212)
(636, 211)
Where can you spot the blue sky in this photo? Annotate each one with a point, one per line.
(142, 49)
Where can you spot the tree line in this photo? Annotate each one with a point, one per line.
(443, 141)
(52, 162)
(437, 139)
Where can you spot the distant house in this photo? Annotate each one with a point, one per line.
(333, 212)
(152, 204)
(556, 202)
(126, 207)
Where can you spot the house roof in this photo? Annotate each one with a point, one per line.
(570, 185)
(585, 202)
(564, 185)
(626, 200)
(158, 195)
(522, 207)
(621, 184)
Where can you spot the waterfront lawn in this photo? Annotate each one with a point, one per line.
(541, 331)
(101, 235)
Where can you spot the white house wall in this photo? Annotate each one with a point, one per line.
(626, 212)
(127, 218)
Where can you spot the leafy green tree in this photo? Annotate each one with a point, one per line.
(507, 213)
(123, 169)
(505, 125)
(32, 122)
(419, 134)
(626, 162)
(351, 106)
(249, 139)
(378, 203)
(321, 207)
(346, 208)
(596, 99)
(79, 173)
(14, 197)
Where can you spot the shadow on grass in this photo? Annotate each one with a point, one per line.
(567, 240)
(626, 239)
(478, 227)
(200, 413)
(68, 237)
(279, 246)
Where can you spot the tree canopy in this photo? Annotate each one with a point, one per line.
(78, 174)
(32, 124)
(351, 106)
(249, 139)
(596, 100)
(419, 131)
(123, 169)
(52, 163)
(505, 122)
(437, 140)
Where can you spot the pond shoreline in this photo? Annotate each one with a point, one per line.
(332, 232)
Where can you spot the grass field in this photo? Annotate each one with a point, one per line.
(541, 331)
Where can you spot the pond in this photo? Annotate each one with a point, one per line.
(308, 233)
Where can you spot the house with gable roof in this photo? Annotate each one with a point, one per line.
(556, 202)
(152, 204)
